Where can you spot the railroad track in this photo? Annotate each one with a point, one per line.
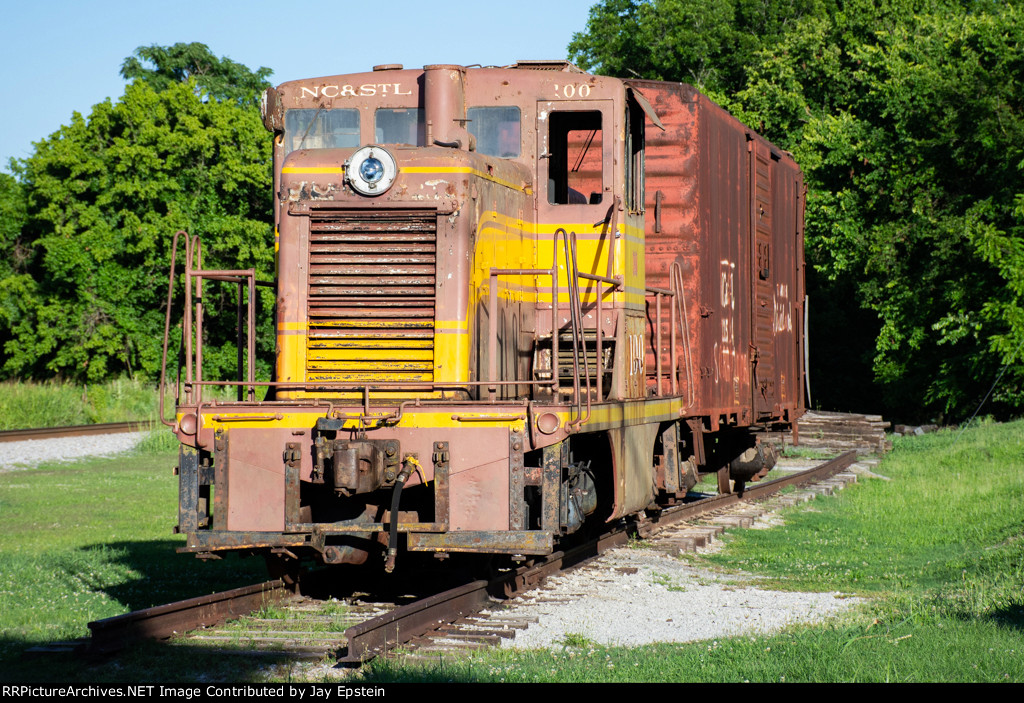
(286, 625)
(74, 430)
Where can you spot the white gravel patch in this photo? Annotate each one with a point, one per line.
(30, 453)
(664, 600)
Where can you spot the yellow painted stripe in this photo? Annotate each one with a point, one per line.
(603, 416)
(442, 418)
(363, 354)
(582, 229)
(312, 169)
(361, 343)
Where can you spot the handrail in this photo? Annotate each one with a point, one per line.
(658, 294)
(167, 330)
(194, 271)
(197, 251)
(572, 273)
(676, 278)
(575, 323)
(599, 334)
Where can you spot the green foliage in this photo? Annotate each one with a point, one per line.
(215, 78)
(51, 404)
(907, 117)
(12, 218)
(104, 195)
(907, 120)
(708, 44)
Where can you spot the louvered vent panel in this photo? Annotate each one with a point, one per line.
(372, 296)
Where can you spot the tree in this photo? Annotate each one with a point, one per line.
(215, 78)
(12, 218)
(104, 195)
(707, 44)
(908, 122)
(906, 117)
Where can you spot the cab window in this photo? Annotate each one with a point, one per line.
(321, 129)
(399, 126)
(575, 158)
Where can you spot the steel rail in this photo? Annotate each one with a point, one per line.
(162, 621)
(403, 624)
(758, 492)
(375, 636)
(75, 430)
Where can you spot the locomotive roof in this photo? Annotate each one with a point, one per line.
(391, 83)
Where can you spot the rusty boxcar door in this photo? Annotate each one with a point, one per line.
(762, 352)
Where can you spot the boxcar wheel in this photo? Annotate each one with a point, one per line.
(724, 484)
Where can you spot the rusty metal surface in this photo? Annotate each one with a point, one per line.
(371, 295)
(517, 482)
(485, 542)
(188, 490)
(212, 541)
(421, 314)
(373, 637)
(726, 206)
(73, 431)
(162, 621)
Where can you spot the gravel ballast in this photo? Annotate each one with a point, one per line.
(33, 452)
(640, 596)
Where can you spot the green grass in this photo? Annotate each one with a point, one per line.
(89, 540)
(25, 404)
(950, 523)
(822, 654)
(666, 581)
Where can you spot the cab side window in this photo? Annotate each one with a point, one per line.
(575, 158)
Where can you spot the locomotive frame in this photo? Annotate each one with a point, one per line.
(510, 302)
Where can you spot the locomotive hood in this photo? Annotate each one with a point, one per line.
(435, 176)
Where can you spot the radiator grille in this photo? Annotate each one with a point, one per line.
(372, 295)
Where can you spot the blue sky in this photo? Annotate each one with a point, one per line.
(61, 56)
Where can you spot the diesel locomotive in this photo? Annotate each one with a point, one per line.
(511, 302)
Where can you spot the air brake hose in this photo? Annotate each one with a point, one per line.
(407, 468)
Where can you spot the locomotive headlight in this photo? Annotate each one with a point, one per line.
(371, 170)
